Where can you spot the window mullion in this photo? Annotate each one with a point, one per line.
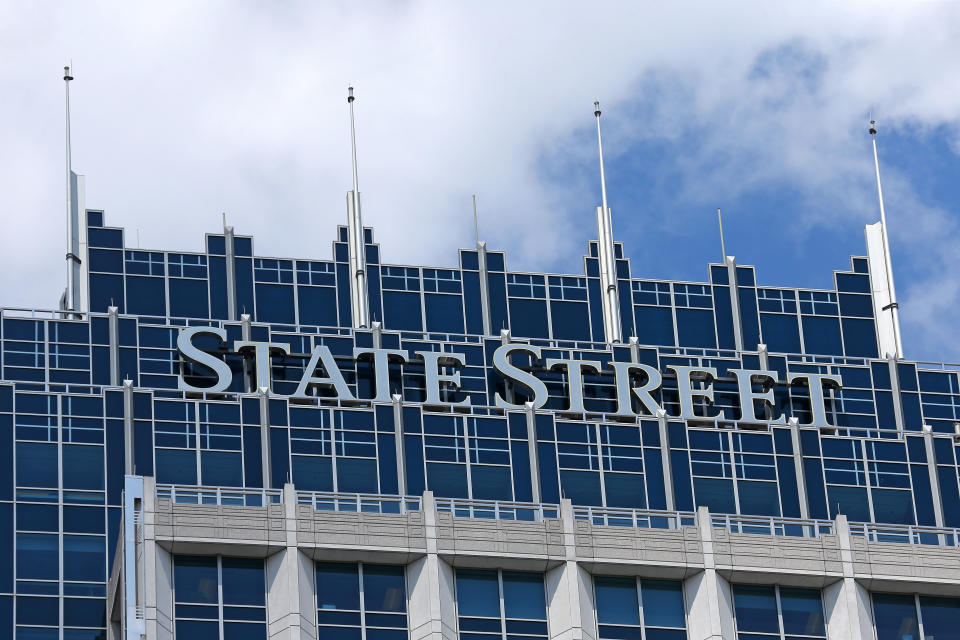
(503, 611)
(220, 593)
(363, 608)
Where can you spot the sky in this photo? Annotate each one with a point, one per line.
(182, 111)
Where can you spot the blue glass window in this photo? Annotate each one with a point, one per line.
(210, 591)
(895, 616)
(38, 556)
(361, 600)
(491, 602)
(776, 610)
(627, 607)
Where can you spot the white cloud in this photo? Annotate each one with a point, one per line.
(183, 110)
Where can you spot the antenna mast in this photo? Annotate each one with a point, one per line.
(355, 240)
(608, 273)
(70, 302)
(476, 222)
(892, 306)
(723, 247)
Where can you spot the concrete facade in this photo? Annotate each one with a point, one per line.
(569, 551)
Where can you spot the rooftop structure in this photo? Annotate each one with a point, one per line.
(218, 444)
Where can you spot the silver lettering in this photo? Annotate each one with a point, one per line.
(431, 368)
(816, 383)
(622, 371)
(261, 358)
(574, 379)
(745, 379)
(193, 354)
(322, 355)
(381, 367)
(686, 391)
(501, 362)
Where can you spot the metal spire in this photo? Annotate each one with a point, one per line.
(892, 305)
(353, 140)
(358, 264)
(476, 221)
(603, 179)
(723, 247)
(608, 273)
(70, 302)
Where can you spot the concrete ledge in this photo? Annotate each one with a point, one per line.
(540, 546)
(794, 561)
(520, 544)
(928, 569)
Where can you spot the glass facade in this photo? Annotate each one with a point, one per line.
(772, 612)
(495, 604)
(361, 601)
(884, 452)
(636, 609)
(219, 598)
(906, 617)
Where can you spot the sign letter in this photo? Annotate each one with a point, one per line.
(431, 369)
(193, 354)
(501, 362)
(745, 378)
(686, 391)
(322, 355)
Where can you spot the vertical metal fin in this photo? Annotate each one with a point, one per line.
(888, 313)
(360, 304)
(608, 266)
(72, 296)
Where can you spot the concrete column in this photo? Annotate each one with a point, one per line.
(263, 395)
(846, 604)
(666, 463)
(291, 586)
(734, 301)
(113, 327)
(157, 564)
(765, 365)
(570, 603)
(484, 288)
(246, 333)
(934, 477)
(431, 600)
(128, 448)
(228, 241)
(708, 596)
(531, 418)
(895, 388)
(401, 445)
(798, 468)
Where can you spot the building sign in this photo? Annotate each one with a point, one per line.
(694, 383)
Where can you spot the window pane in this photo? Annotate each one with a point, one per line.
(478, 593)
(802, 612)
(895, 617)
(244, 631)
(523, 595)
(84, 558)
(617, 600)
(662, 603)
(338, 586)
(37, 556)
(941, 618)
(243, 581)
(196, 630)
(195, 580)
(756, 608)
(82, 467)
(384, 588)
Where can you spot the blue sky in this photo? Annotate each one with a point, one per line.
(182, 111)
